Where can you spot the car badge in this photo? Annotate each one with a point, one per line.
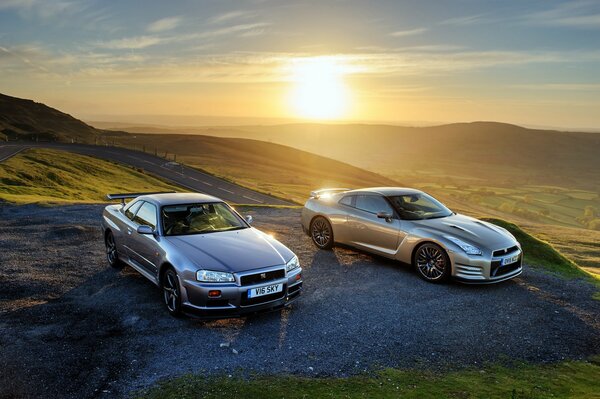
(263, 276)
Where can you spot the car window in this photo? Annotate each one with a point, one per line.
(419, 206)
(132, 209)
(200, 219)
(347, 200)
(372, 204)
(146, 215)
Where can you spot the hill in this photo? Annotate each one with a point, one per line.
(270, 168)
(22, 119)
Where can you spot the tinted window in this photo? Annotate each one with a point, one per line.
(199, 219)
(133, 208)
(419, 206)
(372, 204)
(146, 215)
(347, 200)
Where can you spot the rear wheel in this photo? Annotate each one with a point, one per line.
(171, 292)
(112, 256)
(432, 263)
(321, 232)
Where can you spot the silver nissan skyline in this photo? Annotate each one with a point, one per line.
(410, 226)
(206, 258)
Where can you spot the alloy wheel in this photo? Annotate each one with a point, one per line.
(111, 250)
(171, 291)
(431, 262)
(321, 232)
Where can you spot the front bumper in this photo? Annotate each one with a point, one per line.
(485, 269)
(234, 301)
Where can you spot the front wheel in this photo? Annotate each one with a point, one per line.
(321, 232)
(432, 263)
(171, 292)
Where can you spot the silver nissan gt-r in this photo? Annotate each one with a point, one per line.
(411, 226)
(206, 258)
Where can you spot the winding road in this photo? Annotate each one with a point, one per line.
(179, 174)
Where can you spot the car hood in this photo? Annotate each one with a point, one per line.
(231, 251)
(468, 229)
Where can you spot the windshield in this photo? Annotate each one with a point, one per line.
(199, 218)
(418, 207)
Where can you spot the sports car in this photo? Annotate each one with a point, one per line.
(413, 227)
(206, 258)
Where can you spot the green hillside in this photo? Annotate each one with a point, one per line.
(50, 176)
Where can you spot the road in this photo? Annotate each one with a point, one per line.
(73, 327)
(181, 175)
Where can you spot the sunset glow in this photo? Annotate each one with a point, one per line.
(319, 90)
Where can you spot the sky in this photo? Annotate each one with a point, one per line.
(535, 63)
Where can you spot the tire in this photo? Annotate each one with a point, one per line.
(432, 263)
(321, 233)
(169, 285)
(112, 256)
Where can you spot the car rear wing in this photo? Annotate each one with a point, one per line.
(125, 196)
(327, 192)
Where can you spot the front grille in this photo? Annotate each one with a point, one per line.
(497, 270)
(502, 252)
(261, 299)
(262, 277)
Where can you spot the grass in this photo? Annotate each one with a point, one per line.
(574, 379)
(51, 176)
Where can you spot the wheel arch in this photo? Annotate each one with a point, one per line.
(162, 269)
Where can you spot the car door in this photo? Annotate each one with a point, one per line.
(127, 226)
(143, 247)
(371, 232)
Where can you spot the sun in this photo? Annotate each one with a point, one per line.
(319, 90)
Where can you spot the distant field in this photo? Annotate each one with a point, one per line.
(51, 176)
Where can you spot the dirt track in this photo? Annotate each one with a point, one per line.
(70, 326)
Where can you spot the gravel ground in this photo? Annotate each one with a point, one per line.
(70, 326)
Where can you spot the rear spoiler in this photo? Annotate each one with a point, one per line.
(327, 191)
(125, 196)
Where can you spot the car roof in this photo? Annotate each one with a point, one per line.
(179, 198)
(386, 191)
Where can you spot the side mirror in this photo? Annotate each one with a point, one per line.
(385, 215)
(145, 230)
(249, 219)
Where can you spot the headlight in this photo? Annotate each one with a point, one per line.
(468, 248)
(294, 263)
(208, 276)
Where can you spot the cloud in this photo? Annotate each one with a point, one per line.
(577, 14)
(43, 8)
(132, 43)
(560, 86)
(411, 32)
(164, 24)
(232, 15)
(467, 20)
(240, 29)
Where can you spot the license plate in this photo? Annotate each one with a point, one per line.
(266, 290)
(512, 259)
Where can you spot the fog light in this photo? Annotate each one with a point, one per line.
(298, 276)
(214, 293)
